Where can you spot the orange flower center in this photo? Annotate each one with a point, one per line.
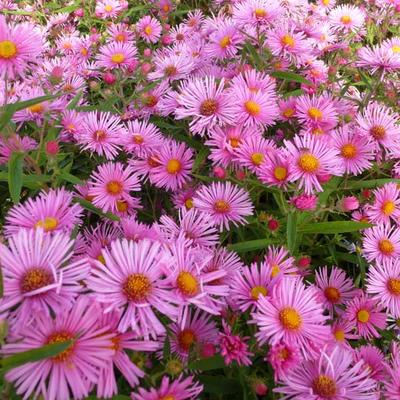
(260, 13)
(35, 278)
(332, 294)
(348, 151)
(252, 108)
(174, 166)
(324, 386)
(137, 287)
(36, 108)
(257, 290)
(221, 206)
(257, 158)
(339, 335)
(280, 173)
(315, 113)
(118, 58)
(363, 316)
(288, 113)
(308, 163)
(378, 132)
(48, 224)
(208, 107)
(8, 49)
(288, 41)
(186, 339)
(138, 138)
(388, 207)
(122, 206)
(225, 42)
(386, 246)
(393, 286)
(170, 70)
(187, 284)
(61, 337)
(346, 19)
(290, 318)
(189, 203)
(114, 188)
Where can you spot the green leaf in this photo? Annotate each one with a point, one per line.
(297, 92)
(207, 364)
(333, 227)
(74, 102)
(373, 183)
(201, 156)
(250, 245)
(15, 167)
(220, 384)
(89, 206)
(66, 176)
(291, 231)
(40, 353)
(291, 76)
(167, 348)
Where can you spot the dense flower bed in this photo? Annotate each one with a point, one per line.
(200, 200)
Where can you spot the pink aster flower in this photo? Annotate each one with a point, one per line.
(71, 124)
(305, 202)
(38, 276)
(171, 67)
(52, 211)
(179, 389)
(291, 314)
(120, 33)
(255, 13)
(13, 144)
(108, 8)
(367, 314)
(206, 102)
(20, 44)
(347, 18)
(102, 133)
(373, 361)
(71, 373)
(110, 186)
(131, 279)
(142, 137)
(381, 243)
(276, 170)
(149, 29)
(383, 283)
(224, 203)
(311, 157)
(136, 231)
(356, 151)
(332, 375)
(283, 357)
(379, 123)
(175, 162)
(194, 225)
(191, 335)
(234, 347)
(249, 284)
(279, 261)
(116, 55)
(342, 332)
(333, 289)
(386, 206)
(378, 59)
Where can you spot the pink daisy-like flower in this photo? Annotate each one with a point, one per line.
(120, 33)
(189, 281)
(311, 157)
(206, 102)
(142, 137)
(234, 347)
(116, 55)
(287, 109)
(71, 123)
(131, 279)
(347, 18)
(283, 357)
(102, 133)
(333, 289)
(71, 373)
(276, 170)
(254, 108)
(136, 231)
(20, 44)
(108, 8)
(332, 375)
(149, 29)
(381, 243)
(15, 143)
(356, 151)
(379, 123)
(171, 67)
(110, 186)
(183, 198)
(175, 162)
(179, 389)
(249, 283)
(386, 206)
(291, 314)
(193, 225)
(342, 331)
(52, 211)
(367, 314)
(378, 60)
(38, 277)
(224, 203)
(391, 387)
(304, 202)
(256, 12)
(383, 283)
(120, 342)
(191, 335)
(373, 361)
(279, 261)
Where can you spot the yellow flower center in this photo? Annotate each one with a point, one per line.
(284, 354)
(280, 173)
(174, 166)
(326, 2)
(99, 135)
(378, 132)
(108, 8)
(35, 278)
(8, 49)
(332, 294)
(137, 138)
(308, 163)
(61, 337)
(114, 188)
(314, 113)
(170, 70)
(288, 113)
(348, 151)
(386, 246)
(260, 13)
(235, 142)
(339, 335)
(388, 207)
(120, 37)
(396, 49)
(346, 19)
(147, 30)
(189, 203)
(122, 206)
(363, 316)
(36, 108)
(275, 270)
(393, 286)
(257, 158)
(252, 108)
(222, 206)
(324, 386)
(256, 291)
(186, 339)
(101, 258)
(290, 318)
(287, 40)
(168, 397)
(118, 58)
(225, 42)
(187, 284)
(137, 287)
(48, 224)
(208, 107)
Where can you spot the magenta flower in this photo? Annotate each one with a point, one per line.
(149, 29)
(276, 170)
(116, 55)
(305, 202)
(386, 207)
(279, 261)
(283, 357)
(373, 360)
(347, 18)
